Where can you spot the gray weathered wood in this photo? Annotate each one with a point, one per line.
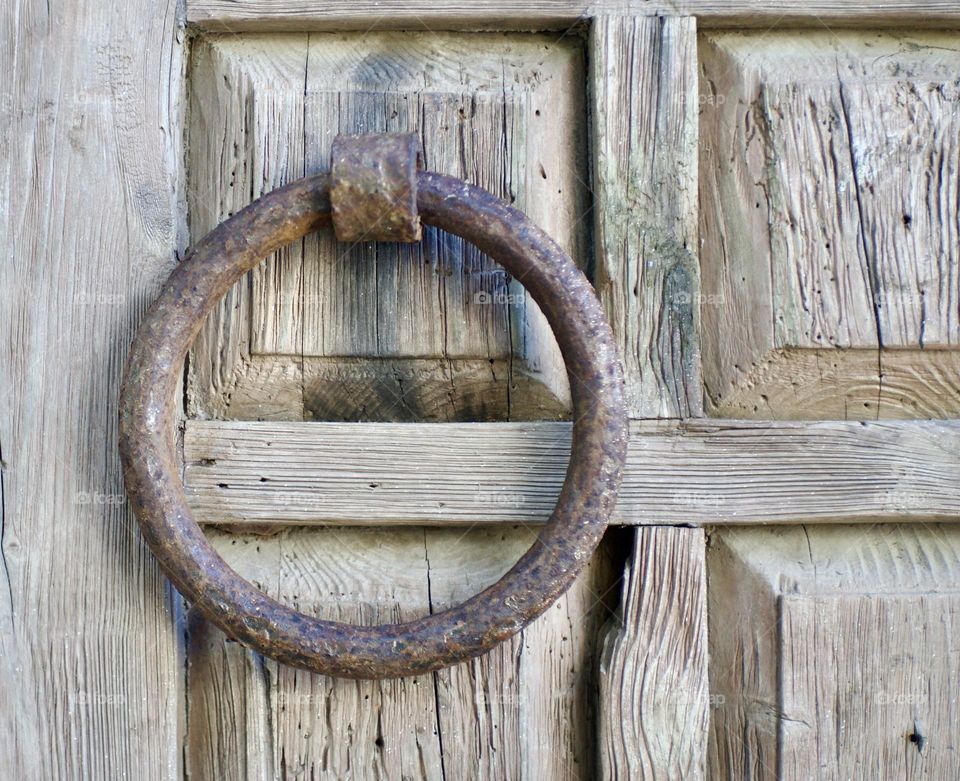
(527, 709)
(522, 711)
(706, 471)
(849, 384)
(830, 219)
(310, 724)
(643, 80)
(644, 86)
(90, 122)
(653, 670)
(832, 652)
(430, 332)
(245, 15)
(387, 332)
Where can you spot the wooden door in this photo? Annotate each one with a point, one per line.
(766, 196)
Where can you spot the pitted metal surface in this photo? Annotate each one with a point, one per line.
(373, 187)
(148, 413)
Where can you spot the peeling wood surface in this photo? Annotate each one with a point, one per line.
(90, 122)
(644, 83)
(831, 215)
(523, 711)
(261, 15)
(704, 471)
(833, 652)
(654, 693)
(387, 332)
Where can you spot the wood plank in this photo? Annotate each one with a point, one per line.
(526, 709)
(523, 707)
(832, 652)
(644, 77)
(651, 709)
(704, 472)
(830, 212)
(434, 330)
(849, 384)
(228, 694)
(392, 333)
(654, 693)
(245, 140)
(242, 707)
(262, 15)
(90, 122)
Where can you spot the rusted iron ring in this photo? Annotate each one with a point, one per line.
(150, 401)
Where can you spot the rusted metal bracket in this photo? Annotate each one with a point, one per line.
(373, 187)
(149, 405)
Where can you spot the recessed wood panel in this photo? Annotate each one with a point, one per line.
(384, 331)
(833, 652)
(830, 215)
(524, 710)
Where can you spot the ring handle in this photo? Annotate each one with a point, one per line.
(149, 405)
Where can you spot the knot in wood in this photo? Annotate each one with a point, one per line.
(373, 187)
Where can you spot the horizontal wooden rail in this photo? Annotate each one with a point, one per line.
(692, 472)
(300, 15)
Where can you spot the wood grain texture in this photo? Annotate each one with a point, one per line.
(643, 76)
(308, 724)
(833, 652)
(528, 709)
(462, 473)
(830, 210)
(654, 693)
(385, 332)
(434, 332)
(848, 384)
(90, 129)
(644, 86)
(253, 143)
(261, 15)
(522, 708)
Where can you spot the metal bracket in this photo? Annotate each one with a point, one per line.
(373, 187)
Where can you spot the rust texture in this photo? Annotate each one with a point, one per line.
(373, 187)
(149, 408)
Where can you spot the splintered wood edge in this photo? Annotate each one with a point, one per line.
(302, 15)
(701, 472)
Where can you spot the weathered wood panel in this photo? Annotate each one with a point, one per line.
(90, 129)
(435, 332)
(461, 473)
(831, 215)
(644, 79)
(312, 724)
(244, 140)
(385, 332)
(654, 693)
(644, 87)
(833, 652)
(236, 16)
(525, 707)
(831, 384)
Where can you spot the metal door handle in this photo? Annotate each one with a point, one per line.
(376, 190)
